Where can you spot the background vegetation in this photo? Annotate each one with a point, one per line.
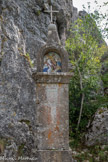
(89, 59)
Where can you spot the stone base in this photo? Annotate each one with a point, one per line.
(45, 156)
(54, 156)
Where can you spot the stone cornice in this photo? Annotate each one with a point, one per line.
(51, 78)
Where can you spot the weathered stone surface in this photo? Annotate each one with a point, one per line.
(55, 156)
(52, 78)
(53, 44)
(75, 14)
(52, 117)
(52, 113)
(98, 131)
(55, 48)
(52, 98)
(23, 29)
(53, 37)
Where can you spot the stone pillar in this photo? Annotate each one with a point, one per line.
(52, 116)
(52, 79)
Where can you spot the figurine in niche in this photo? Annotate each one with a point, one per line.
(52, 62)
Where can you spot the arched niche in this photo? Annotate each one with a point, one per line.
(52, 55)
(52, 62)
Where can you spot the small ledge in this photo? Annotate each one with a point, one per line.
(51, 78)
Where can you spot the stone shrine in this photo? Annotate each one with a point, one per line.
(52, 80)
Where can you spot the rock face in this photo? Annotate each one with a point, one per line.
(75, 14)
(23, 30)
(98, 131)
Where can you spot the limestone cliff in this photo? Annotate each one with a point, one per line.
(23, 30)
(98, 129)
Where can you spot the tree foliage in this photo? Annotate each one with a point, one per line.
(85, 51)
(100, 17)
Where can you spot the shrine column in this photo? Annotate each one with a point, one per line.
(52, 98)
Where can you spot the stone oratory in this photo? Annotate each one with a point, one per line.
(52, 98)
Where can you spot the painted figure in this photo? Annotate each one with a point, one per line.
(52, 63)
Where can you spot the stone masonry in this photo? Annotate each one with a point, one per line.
(23, 30)
(52, 98)
(52, 111)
